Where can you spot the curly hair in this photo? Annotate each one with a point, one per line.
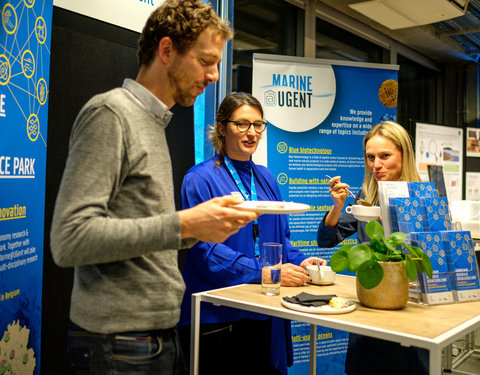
(182, 21)
(397, 134)
(230, 104)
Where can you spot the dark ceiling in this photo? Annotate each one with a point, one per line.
(447, 41)
(464, 30)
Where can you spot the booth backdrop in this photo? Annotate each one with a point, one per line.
(24, 78)
(318, 112)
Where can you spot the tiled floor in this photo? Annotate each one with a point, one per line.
(470, 366)
(471, 363)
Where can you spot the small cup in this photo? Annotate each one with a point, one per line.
(364, 213)
(323, 276)
(271, 258)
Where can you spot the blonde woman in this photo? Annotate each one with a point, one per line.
(389, 156)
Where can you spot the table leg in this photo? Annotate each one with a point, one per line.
(435, 361)
(447, 358)
(195, 335)
(313, 349)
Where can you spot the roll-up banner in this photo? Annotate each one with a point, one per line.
(318, 112)
(24, 77)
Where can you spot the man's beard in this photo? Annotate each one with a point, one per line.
(182, 94)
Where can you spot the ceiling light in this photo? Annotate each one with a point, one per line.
(399, 14)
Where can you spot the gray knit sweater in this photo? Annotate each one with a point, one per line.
(115, 218)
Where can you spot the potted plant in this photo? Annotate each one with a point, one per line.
(383, 267)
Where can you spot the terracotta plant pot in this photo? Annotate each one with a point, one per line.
(391, 293)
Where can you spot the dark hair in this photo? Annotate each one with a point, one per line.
(182, 21)
(229, 105)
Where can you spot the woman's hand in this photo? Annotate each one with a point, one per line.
(312, 261)
(292, 275)
(338, 191)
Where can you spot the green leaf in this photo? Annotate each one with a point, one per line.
(427, 265)
(396, 239)
(374, 244)
(398, 253)
(374, 230)
(339, 260)
(415, 252)
(411, 269)
(345, 248)
(357, 255)
(369, 274)
(419, 265)
(389, 246)
(379, 246)
(381, 257)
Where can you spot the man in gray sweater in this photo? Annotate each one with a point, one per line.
(115, 220)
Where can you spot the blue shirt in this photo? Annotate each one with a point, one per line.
(210, 266)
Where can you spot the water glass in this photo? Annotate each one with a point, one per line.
(271, 258)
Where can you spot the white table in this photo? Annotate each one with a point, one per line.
(429, 327)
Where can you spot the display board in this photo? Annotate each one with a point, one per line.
(441, 145)
(472, 183)
(24, 78)
(318, 112)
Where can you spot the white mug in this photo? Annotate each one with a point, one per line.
(364, 213)
(322, 275)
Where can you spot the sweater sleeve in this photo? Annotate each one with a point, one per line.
(84, 229)
(221, 264)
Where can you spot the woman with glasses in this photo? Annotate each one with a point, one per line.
(235, 341)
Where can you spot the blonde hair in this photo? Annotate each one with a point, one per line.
(400, 138)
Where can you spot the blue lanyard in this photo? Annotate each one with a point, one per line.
(238, 181)
(253, 197)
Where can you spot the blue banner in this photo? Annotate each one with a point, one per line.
(318, 112)
(24, 77)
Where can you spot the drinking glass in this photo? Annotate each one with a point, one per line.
(271, 258)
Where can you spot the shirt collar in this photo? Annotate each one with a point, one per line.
(149, 101)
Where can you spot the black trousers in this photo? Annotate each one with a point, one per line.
(371, 356)
(234, 348)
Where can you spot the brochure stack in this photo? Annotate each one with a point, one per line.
(414, 208)
(462, 262)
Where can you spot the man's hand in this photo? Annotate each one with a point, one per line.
(214, 220)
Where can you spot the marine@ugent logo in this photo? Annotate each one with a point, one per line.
(310, 89)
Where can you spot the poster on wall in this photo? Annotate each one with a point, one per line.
(473, 142)
(472, 186)
(318, 112)
(24, 77)
(441, 146)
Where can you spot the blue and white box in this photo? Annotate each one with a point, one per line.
(422, 189)
(436, 290)
(437, 214)
(462, 262)
(407, 215)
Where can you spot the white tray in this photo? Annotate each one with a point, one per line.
(273, 207)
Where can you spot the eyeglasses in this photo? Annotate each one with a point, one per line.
(244, 125)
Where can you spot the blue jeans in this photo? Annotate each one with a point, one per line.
(140, 353)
